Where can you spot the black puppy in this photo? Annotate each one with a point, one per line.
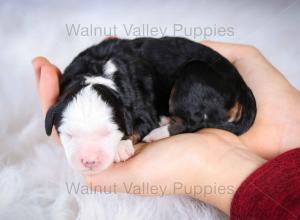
(121, 92)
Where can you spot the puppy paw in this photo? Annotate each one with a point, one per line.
(125, 151)
(157, 134)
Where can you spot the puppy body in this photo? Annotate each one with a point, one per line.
(135, 83)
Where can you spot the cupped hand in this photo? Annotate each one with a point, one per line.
(208, 165)
(277, 125)
(210, 157)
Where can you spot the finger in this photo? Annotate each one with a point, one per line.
(232, 52)
(49, 90)
(37, 64)
(46, 98)
(48, 86)
(55, 137)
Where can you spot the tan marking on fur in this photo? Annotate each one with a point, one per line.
(235, 113)
(176, 120)
(134, 138)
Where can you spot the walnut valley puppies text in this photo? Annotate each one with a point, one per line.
(146, 188)
(148, 30)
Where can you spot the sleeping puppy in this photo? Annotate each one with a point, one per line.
(121, 92)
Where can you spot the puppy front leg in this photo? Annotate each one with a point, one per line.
(126, 146)
(125, 150)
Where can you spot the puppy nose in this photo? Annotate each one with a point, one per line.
(90, 162)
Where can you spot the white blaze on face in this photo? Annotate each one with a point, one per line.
(109, 68)
(100, 80)
(88, 133)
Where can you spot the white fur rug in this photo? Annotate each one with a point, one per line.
(33, 171)
(36, 186)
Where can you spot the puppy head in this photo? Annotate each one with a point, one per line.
(90, 124)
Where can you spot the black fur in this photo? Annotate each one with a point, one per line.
(169, 76)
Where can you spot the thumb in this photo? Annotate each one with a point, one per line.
(47, 79)
(48, 87)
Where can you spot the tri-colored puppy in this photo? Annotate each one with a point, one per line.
(121, 92)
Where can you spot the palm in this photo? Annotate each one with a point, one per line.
(278, 103)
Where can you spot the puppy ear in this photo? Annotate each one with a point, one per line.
(49, 120)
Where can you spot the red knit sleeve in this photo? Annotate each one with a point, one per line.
(271, 192)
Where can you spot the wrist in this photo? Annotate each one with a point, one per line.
(223, 169)
(231, 175)
(226, 179)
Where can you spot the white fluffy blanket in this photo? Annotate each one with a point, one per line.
(33, 171)
(35, 184)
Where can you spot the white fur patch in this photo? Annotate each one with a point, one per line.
(83, 122)
(157, 134)
(125, 151)
(86, 111)
(109, 68)
(100, 80)
(164, 120)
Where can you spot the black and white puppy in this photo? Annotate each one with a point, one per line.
(121, 92)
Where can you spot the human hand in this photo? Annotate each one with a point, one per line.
(277, 125)
(47, 78)
(273, 132)
(193, 160)
(208, 165)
